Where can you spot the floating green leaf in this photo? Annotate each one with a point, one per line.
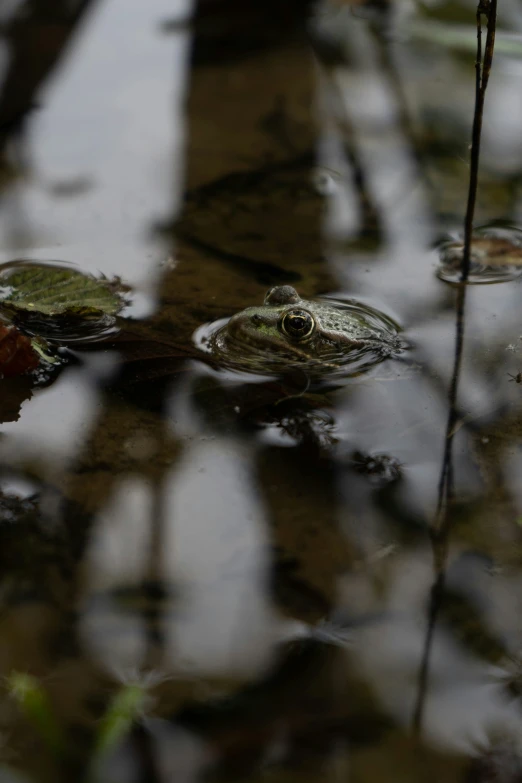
(53, 290)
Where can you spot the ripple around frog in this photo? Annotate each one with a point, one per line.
(240, 356)
(496, 256)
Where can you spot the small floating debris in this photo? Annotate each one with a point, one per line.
(517, 378)
(496, 256)
(379, 468)
(326, 181)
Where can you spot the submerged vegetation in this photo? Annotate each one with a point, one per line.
(122, 712)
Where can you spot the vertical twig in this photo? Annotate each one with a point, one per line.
(441, 525)
(487, 8)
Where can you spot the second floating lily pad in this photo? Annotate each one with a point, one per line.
(496, 256)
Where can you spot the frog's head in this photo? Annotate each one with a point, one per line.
(286, 329)
(283, 323)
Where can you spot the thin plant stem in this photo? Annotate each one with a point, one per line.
(487, 8)
(441, 526)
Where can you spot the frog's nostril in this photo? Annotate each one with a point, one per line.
(256, 319)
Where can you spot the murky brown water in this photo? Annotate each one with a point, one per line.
(304, 582)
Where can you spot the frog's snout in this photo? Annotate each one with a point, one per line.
(241, 321)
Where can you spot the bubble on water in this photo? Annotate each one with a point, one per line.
(325, 181)
(496, 256)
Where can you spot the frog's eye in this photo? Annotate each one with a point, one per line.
(297, 324)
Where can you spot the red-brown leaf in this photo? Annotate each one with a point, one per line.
(17, 355)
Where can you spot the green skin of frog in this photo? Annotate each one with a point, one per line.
(287, 324)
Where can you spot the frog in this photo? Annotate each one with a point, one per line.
(288, 329)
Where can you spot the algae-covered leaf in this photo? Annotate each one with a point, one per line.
(53, 290)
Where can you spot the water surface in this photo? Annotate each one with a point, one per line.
(300, 583)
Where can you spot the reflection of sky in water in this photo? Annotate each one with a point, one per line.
(8, 7)
(464, 700)
(374, 102)
(110, 118)
(54, 421)
(216, 546)
(117, 556)
(213, 560)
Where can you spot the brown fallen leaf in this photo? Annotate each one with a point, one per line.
(17, 355)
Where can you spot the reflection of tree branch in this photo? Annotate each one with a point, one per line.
(441, 525)
(388, 66)
(370, 221)
(36, 37)
(153, 624)
(142, 741)
(446, 490)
